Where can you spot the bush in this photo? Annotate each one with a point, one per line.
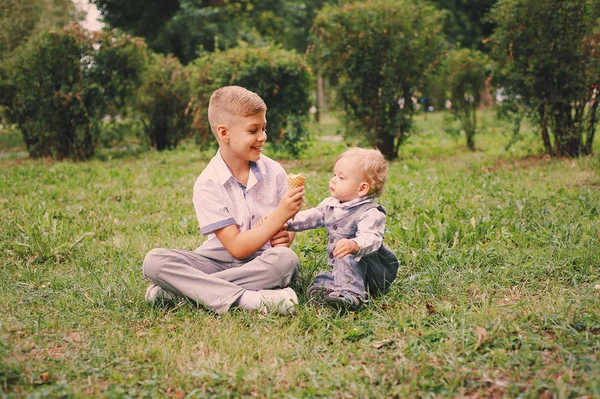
(465, 72)
(115, 131)
(377, 54)
(280, 77)
(163, 101)
(64, 82)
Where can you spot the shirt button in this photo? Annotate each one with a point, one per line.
(335, 226)
(331, 255)
(331, 240)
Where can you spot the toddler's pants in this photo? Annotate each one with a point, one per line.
(373, 274)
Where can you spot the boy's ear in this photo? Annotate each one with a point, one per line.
(363, 189)
(222, 133)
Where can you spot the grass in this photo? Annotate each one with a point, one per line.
(496, 296)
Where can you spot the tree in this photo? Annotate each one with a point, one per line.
(550, 56)
(466, 24)
(188, 28)
(376, 53)
(465, 73)
(20, 19)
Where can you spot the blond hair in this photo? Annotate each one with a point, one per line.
(232, 101)
(373, 165)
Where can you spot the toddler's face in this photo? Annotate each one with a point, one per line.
(346, 181)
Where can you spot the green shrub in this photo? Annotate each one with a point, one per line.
(63, 82)
(280, 77)
(377, 54)
(465, 72)
(115, 131)
(163, 102)
(550, 57)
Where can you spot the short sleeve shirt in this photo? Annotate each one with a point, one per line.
(220, 200)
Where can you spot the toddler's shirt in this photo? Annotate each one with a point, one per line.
(361, 220)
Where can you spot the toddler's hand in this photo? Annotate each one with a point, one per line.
(345, 247)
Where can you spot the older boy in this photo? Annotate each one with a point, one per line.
(242, 263)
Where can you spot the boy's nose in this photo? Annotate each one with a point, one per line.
(263, 137)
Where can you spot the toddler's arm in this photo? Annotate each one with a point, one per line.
(312, 218)
(242, 245)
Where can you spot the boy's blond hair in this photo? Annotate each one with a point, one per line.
(230, 102)
(373, 165)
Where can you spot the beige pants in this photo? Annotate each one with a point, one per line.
(212, 277)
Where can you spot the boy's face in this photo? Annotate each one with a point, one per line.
(246, 135)
(347, 182)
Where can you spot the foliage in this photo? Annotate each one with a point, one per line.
(138, 17)
(377, 54)
(64, 82)
(119, 131)
(21, 19)
(188, 28)
(280, 77)
(163, 100)
(465, 74)
(466, 24)
(495, 296)
(550, 56)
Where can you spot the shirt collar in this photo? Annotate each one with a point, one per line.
(224, 173)
(349, 204)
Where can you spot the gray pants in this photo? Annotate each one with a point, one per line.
(210, 276)
(373, 274)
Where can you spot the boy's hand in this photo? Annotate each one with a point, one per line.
(345, 247)
(292, 202)
(281, 239)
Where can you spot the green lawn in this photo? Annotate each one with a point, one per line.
(498, 294)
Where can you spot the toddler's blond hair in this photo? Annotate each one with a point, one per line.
(232, 101)
(373, 165)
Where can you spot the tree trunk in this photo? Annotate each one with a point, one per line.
(567, 137)
(591, 128)
(544, 128)
(470, 132)
(320, 97)
(386, 144)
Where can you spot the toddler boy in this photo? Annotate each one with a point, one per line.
(361, 263)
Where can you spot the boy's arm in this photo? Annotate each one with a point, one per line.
(242, 245)
(369, 237)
